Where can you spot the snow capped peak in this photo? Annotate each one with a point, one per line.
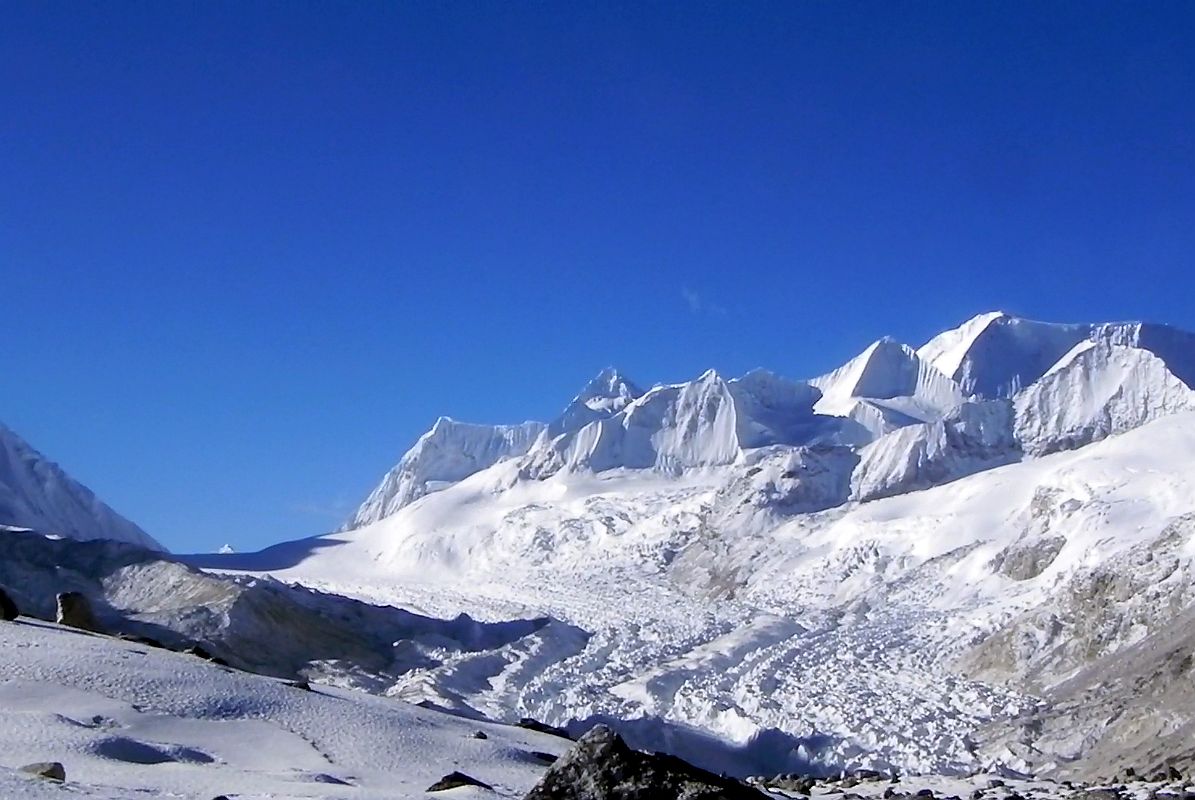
(947, 350)
(711, 421)
(1097, 389)
(605, 395)
(1174, 346)
(703, 422)
(449, 452)
(996, 355)
(609, 378)
(894, 382)
(36, 493)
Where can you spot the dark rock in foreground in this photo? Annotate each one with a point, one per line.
(542, 727)
(601, 766)
(51, 770)
(454, 779)
(8, 609)
(74, 609)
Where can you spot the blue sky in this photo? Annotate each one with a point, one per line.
(249, 251)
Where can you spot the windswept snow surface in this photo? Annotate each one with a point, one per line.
(127, 720)
(36, 493)
(706, 607)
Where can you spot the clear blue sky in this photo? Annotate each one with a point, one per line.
(248, 252)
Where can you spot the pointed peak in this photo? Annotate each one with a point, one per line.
(709, 376)
(608, 375)
(990, 316)
(610, 381)
(606, 394)
(888, 344)
(759, 373)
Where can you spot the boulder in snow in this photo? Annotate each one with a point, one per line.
(74, 609)
(454, 780)
(51, 770)
(601, 766)
(8, 609)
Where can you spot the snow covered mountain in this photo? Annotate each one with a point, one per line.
(996, 355)
(36, 493)
(604, 396)
(702, 423)
(888, 565)
(887, 386)
(916, 417)
(1096, 390)
(449, 452)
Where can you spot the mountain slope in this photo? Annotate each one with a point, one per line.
(36, 493)
(127, 720)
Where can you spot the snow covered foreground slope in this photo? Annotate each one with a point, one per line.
(36, 493)
(127, 720)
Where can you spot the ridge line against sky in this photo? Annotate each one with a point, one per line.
(250, 252)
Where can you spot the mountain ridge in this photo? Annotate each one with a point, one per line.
(888, 387)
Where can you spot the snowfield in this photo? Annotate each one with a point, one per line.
(128, 720)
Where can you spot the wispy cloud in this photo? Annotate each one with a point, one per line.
(698, 304)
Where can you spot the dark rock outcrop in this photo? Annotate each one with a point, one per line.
(51, 770)
(542, 727)
(600, 766)
(74, 609)
(8, 609)
(455, 779)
